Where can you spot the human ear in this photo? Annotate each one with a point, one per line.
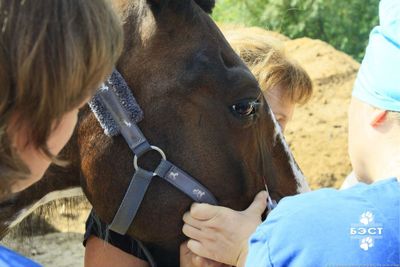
(378, 117)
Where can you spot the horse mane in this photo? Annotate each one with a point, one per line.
(39, 221)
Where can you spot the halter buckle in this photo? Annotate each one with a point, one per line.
(155, 148)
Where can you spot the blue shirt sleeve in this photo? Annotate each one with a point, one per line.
(9, 258)
(357, 226)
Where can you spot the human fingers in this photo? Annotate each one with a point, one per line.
(184, 250)
(259, 204)
(195, 233)
(188, 219)
(199, 249)
(203, 262)
(189, 259)
(186, 258)
(198, 261)
(204, 212)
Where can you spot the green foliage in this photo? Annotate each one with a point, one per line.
(345, 24)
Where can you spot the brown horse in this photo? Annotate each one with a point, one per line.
(188, 82)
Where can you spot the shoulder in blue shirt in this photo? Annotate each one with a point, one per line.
(9, 258)
(327, 227)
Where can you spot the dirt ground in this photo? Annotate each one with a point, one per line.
(56, 239)
(317, 137)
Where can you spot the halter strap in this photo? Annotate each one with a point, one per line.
(135, 139)
(184, 182)
(130, 204)
(141, 179)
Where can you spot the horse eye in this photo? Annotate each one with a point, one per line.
(244, 108)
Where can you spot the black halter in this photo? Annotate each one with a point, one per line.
(141, 179)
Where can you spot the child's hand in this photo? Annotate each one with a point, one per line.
(189, 259)
(221, 234)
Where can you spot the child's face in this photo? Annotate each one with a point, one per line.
(33, 158)
(281, 106)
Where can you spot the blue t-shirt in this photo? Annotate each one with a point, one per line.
(359, 226)
(9, 258)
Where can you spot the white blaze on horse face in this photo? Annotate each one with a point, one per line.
(302, 185)
(22, 214)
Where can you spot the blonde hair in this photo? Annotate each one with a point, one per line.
(53, 56)
(265, 56)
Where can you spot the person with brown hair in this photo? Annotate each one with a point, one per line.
(54, 54)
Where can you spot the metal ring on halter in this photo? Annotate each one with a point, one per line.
(155, 148)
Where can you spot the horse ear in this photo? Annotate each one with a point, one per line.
(157, 4)
(206, 5)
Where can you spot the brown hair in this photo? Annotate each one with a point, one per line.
(265, 56)
(53, 56)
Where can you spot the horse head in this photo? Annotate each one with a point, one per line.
(202, 106)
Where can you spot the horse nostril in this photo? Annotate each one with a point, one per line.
(228, 60)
